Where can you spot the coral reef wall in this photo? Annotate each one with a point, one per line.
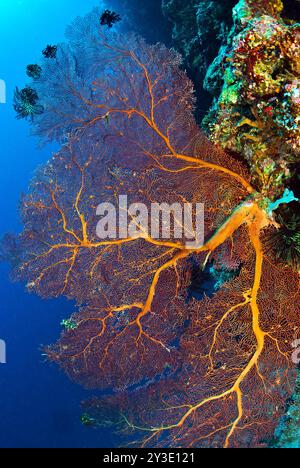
(248, 62)
(257, 111)
(200, 27)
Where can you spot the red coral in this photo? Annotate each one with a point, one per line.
(217, 399)
(137, 136)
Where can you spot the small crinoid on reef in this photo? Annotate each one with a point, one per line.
(285, 240)
(26, 103)
(199, 29)
(33, 71)
(109, 18)
(209, 372)
(50, 51)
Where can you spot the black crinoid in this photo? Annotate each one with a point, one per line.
(26, 103)
(285, 241)
(109, 18)
(50, 51)
(33, 71)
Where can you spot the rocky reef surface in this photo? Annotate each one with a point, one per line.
(200, 28)
(256, 110)
(248, 60)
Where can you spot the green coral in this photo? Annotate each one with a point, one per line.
(86, 420)
(69, 324)
(222, 275)
(230, 95)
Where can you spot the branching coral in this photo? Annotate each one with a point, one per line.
(255, 81)
(198, 368)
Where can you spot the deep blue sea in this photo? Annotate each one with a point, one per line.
(39, 406)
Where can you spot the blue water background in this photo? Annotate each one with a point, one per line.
(39, 406)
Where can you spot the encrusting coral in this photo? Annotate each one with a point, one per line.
(257, 111)
(254, 79)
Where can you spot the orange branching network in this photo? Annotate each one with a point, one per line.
(186, 372)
